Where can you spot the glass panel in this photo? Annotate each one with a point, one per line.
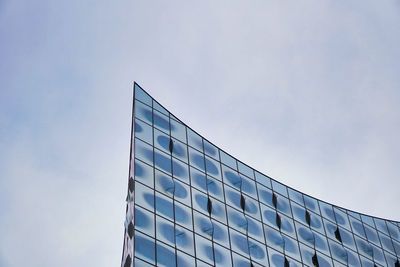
(143, 131)
(357, 227)
(178, 131)
(183, 215)
(248, 186)
(213, 168)
(228, 160)
(327, 211)
(194, 140)
(144, 221)
(239, 243)
(262, 179)
(341, 218)
(311, 204)
(381, 226)
(296, 196)
(246, 170)
(184, 240)
(257, 251)
(222, 256)
(180, 170)
(162, 161)
(196, 159)
(367, 219)
(146, 249)
(371, 234)
(142, 95)
(144, 152)
(165, 255)
(184, 260)
(144, 173)
(220, 233)
(204, 249)
(231, 177)
(140, 263)
(180, 151)
(159, 108)
(143, 112)
(164, 206)
(161, 121)
(210, 150)
(144, 196)
(165, 231)
(280, 188)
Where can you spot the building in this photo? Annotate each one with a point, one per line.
(191, 204)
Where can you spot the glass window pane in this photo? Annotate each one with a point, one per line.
(161, 121)
(228, 160)
(144, 221)
(143, 131)
(178, 131)
(279, 188)
(141, 95)
(194, 140)
(165, 255)
(144, 247)
(246, 170)
(211, 150)
(144, 173)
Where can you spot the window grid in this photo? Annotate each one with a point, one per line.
(382, 237)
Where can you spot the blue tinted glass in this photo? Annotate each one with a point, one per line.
(381, 225)
(144, 173)
(183, 215)
(222, 256)
(178, 131)
(165, 255)
(143, 131)
(142, 95)
(367, 219)
(144, 152)
(262, 179)
(161, 121)
(194, 140)
(159, 108)
(246, 170)
(213, 168)
(211, 150)
(280, 188)
(196, 159)
(162, 161)
(144, 221)
(296, 196)
(144, 196)
(185, 260)
(311, 204)
(239, 243)
(164, 206)
(204, 249)
(180, 170)
(184, 240)
(143, 112)
(228, 160)
(248, 186)
(144, 247)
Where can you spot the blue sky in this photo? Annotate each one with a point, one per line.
(307, 92)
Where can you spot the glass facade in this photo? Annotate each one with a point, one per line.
(191, 204)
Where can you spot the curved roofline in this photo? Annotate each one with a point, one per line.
(254, 169)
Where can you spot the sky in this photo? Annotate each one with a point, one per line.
(306, 92)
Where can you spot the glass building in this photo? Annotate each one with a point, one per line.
(189, 203)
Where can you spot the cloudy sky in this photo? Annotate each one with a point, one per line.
(307, 92)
